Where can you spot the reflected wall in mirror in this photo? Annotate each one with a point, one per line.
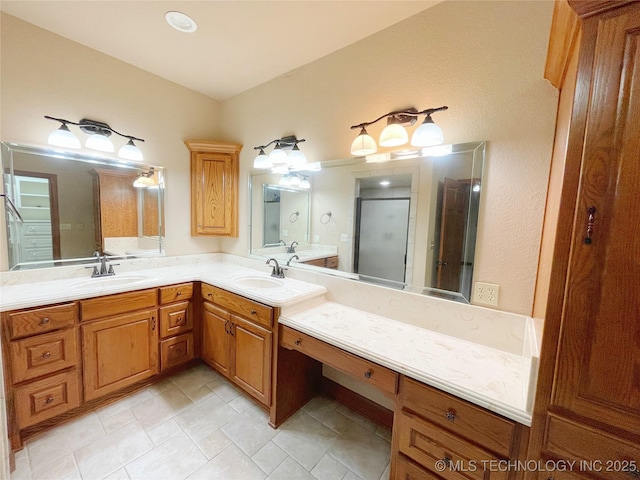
(408, 223)
(73, 205)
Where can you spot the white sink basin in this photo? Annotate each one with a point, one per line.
(258, 282)
(113, 281)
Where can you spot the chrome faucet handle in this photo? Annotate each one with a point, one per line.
(291, 259)
(95, 272)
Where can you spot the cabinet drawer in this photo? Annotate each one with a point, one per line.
(176, 293)
(477, 424)
(605, 455)
(407, 470)
(43, 228)
(176, 351)
(331, 262)
(42, 354)
(46, 398)
(369, 372)
(256, 312)
(116, 304)
(40, 320)
(37, 242)
(175, 319)
(429, 445)
(35, 254)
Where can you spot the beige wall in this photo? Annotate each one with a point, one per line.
(485, 60)
(45, 74)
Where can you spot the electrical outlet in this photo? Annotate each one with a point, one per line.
(344, 237)
(486, 293)
(284, 233)
(316, 239)
(65, 226)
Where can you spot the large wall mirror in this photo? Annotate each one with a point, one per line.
(63, 208)
(405, 220)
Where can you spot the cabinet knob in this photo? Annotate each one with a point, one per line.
(178, 294)
(46, 355)
(179, 321)
(368, 374)
(49, 399)
(44, 320)
(298, 342)
(209, 294)
(253, 312)
(451, 415)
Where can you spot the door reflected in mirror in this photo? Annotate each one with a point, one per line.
(72, 206)
(409, 223)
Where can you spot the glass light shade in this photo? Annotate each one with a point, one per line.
(130, 152)
(427, 134)
(262, 160)
(144, 182)
(285, 181)
(100, 143)
(393, 135)
(294, 180)
(304, 183)
(62, 137)
(364, 144)
(296, 158)
(278, 155)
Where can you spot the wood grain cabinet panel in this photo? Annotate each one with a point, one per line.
(214, 188)
(176, 293)
(43, 354)
(41, 320)
(119, 351)
(376, 375)
(176, 350)
(101, 307)
(175, 319)
(238, 346)
(46, 398)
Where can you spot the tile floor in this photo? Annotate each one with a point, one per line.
(196, 425)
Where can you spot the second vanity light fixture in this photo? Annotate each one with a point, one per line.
(394, 134)
(278, 157)
(98, 139)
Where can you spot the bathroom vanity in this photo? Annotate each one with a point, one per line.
(71, 345)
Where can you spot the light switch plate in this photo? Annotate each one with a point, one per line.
(316, 238)
(486, 293)
(344, 237)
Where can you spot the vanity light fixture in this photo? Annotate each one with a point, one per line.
(145, 179)
(395, 133)
(295, 159)
(295, 179)
(98, 139)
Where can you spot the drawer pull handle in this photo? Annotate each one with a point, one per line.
(298, 342)
(368, 374)
(451, 415)
(44, 320)
(208, 294)
(178, 294)
(49, 399)
(46, 355)
(253, 312)
(179, 322)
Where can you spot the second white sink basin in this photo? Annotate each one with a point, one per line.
(113, 281)
(258, 282)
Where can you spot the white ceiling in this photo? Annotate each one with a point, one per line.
(238, 45)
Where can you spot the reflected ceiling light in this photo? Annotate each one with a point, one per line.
(278, 156)
(62, 137)
(293, 179)
(98, 139)
(437, 150)
(181, 22)
(395, 133)
(385, 183)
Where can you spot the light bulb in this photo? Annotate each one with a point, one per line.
(62, 137)
(99, 142)
(427, 134)
(393, 135)
(364, 144)
(130, 152)
(262, 160)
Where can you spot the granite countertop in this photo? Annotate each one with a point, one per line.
(490, 378)
(220, 274)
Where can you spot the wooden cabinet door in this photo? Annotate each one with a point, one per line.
(252, 347)
(598, 363)
(119, 351)
(214, 188)
(216, 341)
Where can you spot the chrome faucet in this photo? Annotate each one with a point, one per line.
(277, 271)
(105, 270)
(292, 248)
(291, 259)
(282, 242)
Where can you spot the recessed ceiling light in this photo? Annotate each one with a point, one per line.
(180, 21)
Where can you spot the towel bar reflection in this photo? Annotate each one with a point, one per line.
(326, 216)
(293, 217)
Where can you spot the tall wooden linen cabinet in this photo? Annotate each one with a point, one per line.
(587, 406)
(214, 188)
